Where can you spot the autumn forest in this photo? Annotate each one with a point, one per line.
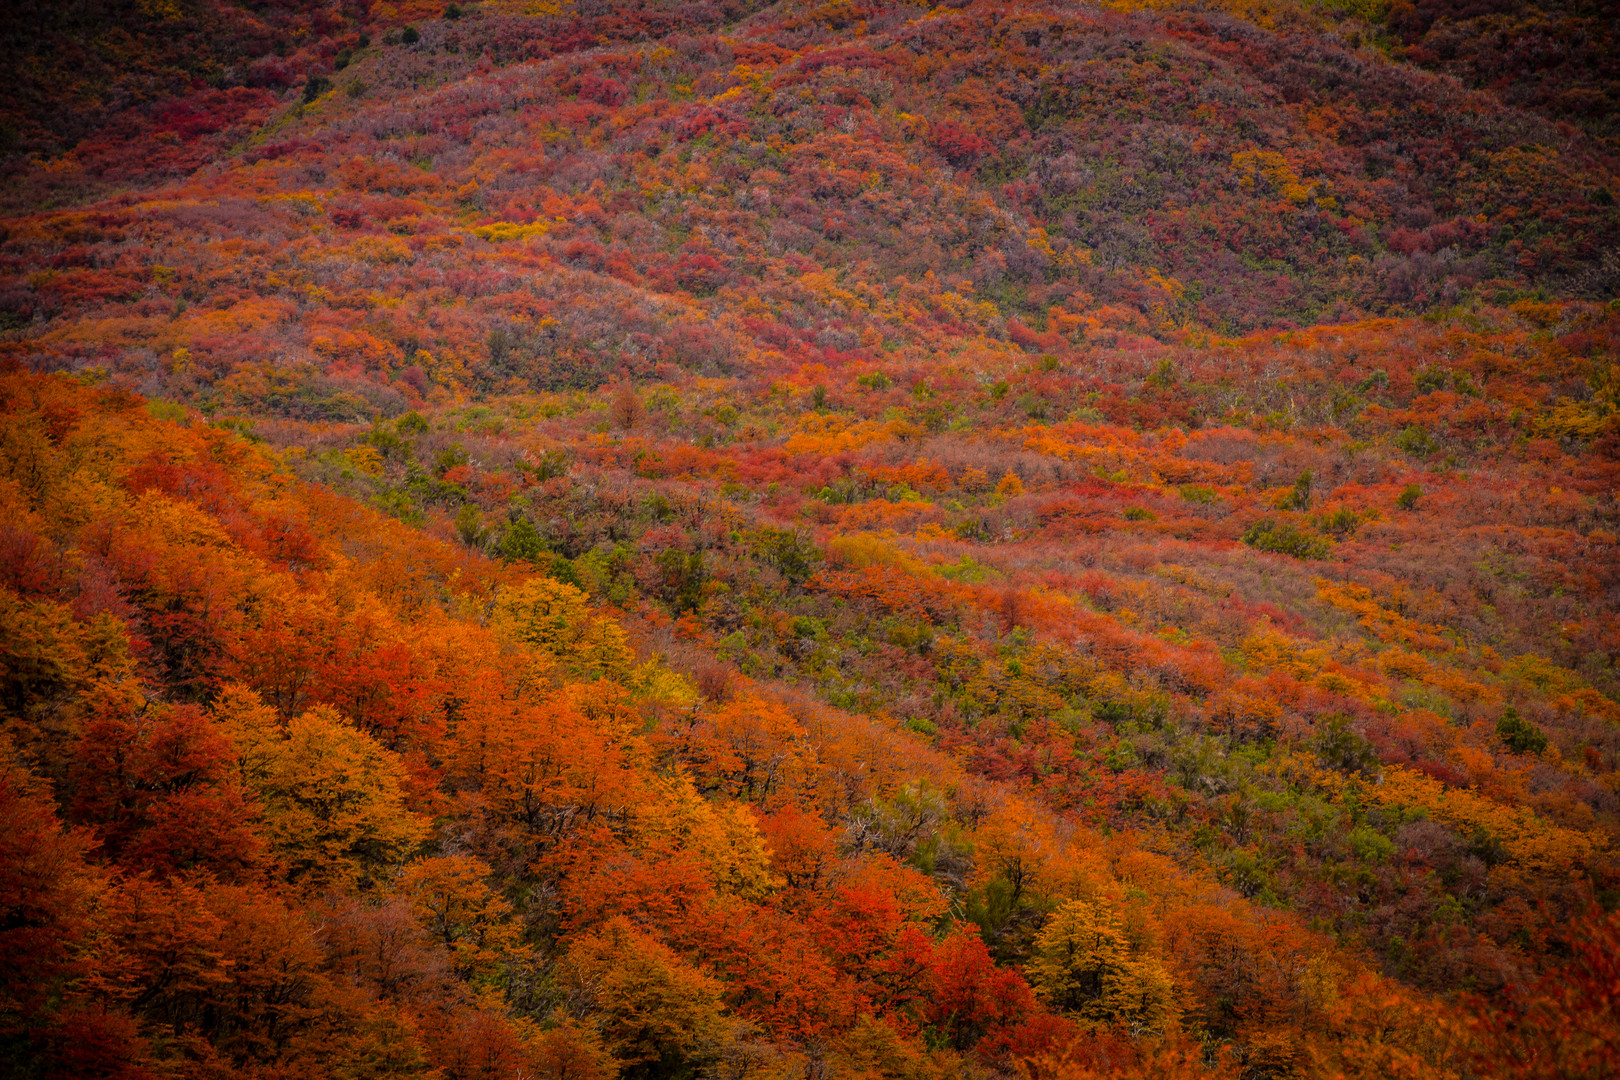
(731, 540)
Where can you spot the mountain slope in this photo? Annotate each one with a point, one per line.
(1015, 539)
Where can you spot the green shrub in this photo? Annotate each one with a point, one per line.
(1300, 497)
(470, 526)
(1121, 756)
(1035, 407)
(1198, 493)
(1430, 379)
(1415, 441)
(792, 552)
(521, 542)
(1339, 747)
(1379, 378)
(1164, 376)
(1286, 538)
(1112, 713)
(1339, 523)
(1520, 735)
(398, 504)
(1370, 845)
(1244, 871)
(451, 457)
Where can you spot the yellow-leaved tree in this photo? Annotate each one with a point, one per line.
(725, 838)
(656, 1013)
(1084, 964)
(451, 897)
(332, 798)
(554, 618)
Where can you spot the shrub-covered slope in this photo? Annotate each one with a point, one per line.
(1019, 539)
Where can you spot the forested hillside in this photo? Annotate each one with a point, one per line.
(622, 539)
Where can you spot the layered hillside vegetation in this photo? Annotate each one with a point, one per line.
(627, 540)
